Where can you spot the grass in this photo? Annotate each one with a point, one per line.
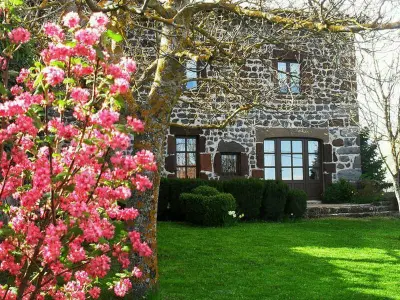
(314, 259)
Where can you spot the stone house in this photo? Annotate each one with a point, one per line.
(309, 144)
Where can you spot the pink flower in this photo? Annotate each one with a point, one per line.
(120, 86)
(54, 31)
(3, 63)
(105, 118)
(80, 70)
(81, 95)
(87, 36)
(71, 20)
(142, 183)
(136, 272)
(135, 124)
(23, 74)
(122, 287)
(19, 35)
(146, 160)
(95, 292)
(16, 90)
(98, 19)
(53, 75)
(128, 64)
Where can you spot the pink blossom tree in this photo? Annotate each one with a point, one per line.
(64, 159)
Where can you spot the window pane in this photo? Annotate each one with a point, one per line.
(191, 159)
(295, 78)
(312, 147)
(297, 146)
(180, 159)
(286, 174)
(191, 73)
(313, 160)
(229, 163)
(269, 173)
(313, 173)
(191, 172)
(191, 144)
(297, 160)
(180, 172)
(282, 77)
(269, 160)
(285, 147)
(180, 144)
(298, 174)
(269, 146)
(286, 160)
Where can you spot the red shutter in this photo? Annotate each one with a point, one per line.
(260, 155)
(244, 164)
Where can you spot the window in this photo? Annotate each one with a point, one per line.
(292, 160)
(269, 159)
(289, 77)
(191, 73)
(186, 157)
(230, 163)
(313, 161)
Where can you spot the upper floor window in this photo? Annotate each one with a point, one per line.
(191, 74)
(186, 157)
(230, 163)
(289, 77)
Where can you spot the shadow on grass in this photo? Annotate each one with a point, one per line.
(318, 259)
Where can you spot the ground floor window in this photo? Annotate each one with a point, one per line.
(230, 163)
(186, 157)
(292, 159)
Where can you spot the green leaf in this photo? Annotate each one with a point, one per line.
(38, 80)
(3, 90)
(99, 53)
(114, 36)
(68, 80)
(16, 2)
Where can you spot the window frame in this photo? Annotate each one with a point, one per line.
(288, 75)
(200, 72)
(196, 152)
(238, 163)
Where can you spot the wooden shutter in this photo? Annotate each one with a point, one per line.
(327, 153)
(260, 155)
(171, 144)
(202, 144)
(244, 164)
(170, 160)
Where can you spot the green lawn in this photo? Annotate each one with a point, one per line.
(315, 259)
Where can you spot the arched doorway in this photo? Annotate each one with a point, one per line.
(296, 161)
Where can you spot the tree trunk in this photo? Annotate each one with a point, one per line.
(396, 186)
(164, 93)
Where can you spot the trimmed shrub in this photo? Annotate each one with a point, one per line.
(274, 200)
(296, 203)
(205, 190)
(248, 194)
(178, 187)
(209, 210)
(391, 198)
(368, 191)
(339, 192)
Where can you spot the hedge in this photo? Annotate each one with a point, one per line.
(296, 203)
(339, 192)
(248, 194)
(255, 198)
(274, 200)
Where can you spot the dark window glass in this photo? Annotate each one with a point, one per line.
(313, 160)
(186, 157)
(230, 163)
(289, 77)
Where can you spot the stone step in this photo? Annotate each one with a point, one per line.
(359, 215)
(313, 202)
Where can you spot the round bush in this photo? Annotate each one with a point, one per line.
(205, 190)
(340, 192)
(296, 203)
(274, 200)
(211, 210)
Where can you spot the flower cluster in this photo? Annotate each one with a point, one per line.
(70, 178)
(232, 213)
